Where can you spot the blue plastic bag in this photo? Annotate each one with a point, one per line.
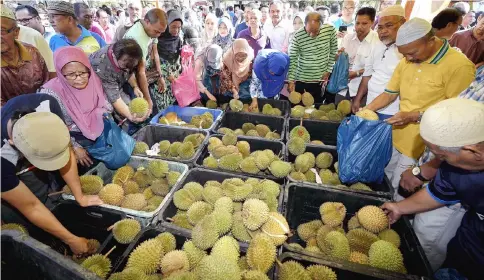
(113, 147)
(339, 77)
(364, 149)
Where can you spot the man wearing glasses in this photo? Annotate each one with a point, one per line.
(29, 16)
(347, 19)
(70, 33)
(23, 68)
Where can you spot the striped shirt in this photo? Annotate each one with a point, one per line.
(311, 57)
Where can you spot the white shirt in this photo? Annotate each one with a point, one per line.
(278, 35)
(380, 66)
(34, 38)
(358, 52)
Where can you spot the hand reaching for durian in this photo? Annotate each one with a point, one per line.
(78, 245)
(89, 200)
(392, 210)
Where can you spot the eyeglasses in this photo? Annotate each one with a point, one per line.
(349, 8)
(73, 76)
(24, 21)
(8, 31)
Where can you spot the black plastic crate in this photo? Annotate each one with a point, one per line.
(27, 259)
(255, 144)
(301, 205)
(282, 105)
(383, 189)
(234, 120)
(153, 134)
(325, 131)
(201, 176)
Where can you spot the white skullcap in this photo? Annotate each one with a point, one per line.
(412, 30)
(454, 122)
(395, 10)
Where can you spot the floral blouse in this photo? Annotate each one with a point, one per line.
(226, 82)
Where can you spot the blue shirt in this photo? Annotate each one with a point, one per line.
(339, 22)
(452, 185)
(89, 41)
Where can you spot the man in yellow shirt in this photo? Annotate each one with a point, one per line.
(430, 71)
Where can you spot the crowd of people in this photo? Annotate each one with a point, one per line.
(66, 67)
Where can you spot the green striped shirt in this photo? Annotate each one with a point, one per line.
(312, 57)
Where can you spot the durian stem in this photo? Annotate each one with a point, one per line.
(111, 227)
(110, 251)
(170, 220)
(301, 122)
(278, 262)
(56, 193)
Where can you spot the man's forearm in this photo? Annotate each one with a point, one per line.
(143, 81)
(70, 174)
(362, 88)
(429, 169)
(420, 202)
(382, 101)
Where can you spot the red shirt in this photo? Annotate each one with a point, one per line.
(469, 45)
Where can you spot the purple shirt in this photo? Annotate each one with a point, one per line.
(262, 42)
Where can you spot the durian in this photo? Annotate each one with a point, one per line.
(332, 213)
(112, 194)
(138, 106)
(372, 218)
(261, 253)
(147, 256)
(174, 261)
(135, 201)
(385, 255)
(255, 213)
(296, 146)
(124, 231)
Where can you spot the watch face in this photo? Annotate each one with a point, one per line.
(416, 170)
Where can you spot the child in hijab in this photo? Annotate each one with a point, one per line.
(224, 37)
(209, 30)
(270, 71)
(207, 68)
(237, 70)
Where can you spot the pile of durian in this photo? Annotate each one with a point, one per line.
(176, 150)
(203, 121)
(252, 130)
(233, 155)
(213, 105)
(301, 132)
(369, 239)
(325, 112)
(143, 189)
(267, 109)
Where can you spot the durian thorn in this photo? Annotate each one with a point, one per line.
(56, 193)
(110, 251)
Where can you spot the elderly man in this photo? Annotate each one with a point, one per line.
(347, 19)
(471, 42)
(358, 46)
(276, 28)
(134, 12)
(452, 130)
(23, 68)
(381, 63)
(383, 5)
(431, 71)
(28, 16)
(312, 56)
(69, 33)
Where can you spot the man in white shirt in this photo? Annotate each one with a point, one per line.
(277, 29)
(358, 46)
(382, 62)
(28, 16)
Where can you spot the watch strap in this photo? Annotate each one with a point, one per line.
(421, 178)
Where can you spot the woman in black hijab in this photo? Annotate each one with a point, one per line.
(169, 47)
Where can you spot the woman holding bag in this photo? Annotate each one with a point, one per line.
(81, 97)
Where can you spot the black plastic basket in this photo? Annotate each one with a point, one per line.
(383, 189)
(325, 131)
(201, 176)
(255, 144)
(153, 134)
(234, 120)
(25, 258)
(301, 205)
(282, 105)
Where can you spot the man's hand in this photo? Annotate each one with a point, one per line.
(78, 245)
(137, 91)
(325, 77)
(210, 96)
(291, 86)
(391, 209)
(82, 157)
(355, 105)
(254, 106)
(235, 93)
(161, 84)
(403, 118)
(340, 34)
(171, 78)
(409, 182)
(89, 200)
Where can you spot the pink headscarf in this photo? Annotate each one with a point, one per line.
(239, 69)
(84, 106)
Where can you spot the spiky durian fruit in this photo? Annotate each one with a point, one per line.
(124, 231)
(332, 213)
(261, 253)
(372, 218)
(147, 256)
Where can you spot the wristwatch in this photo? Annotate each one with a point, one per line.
(420, 114)
(417, 173)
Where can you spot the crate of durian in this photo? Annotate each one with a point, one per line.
(170, 143)
(304, 107)
(271, 107)
(250, 125)
(139, 189)
(318, 165)
(351, 229)
(164, 253)
(203, 192)
(319, 132)
(188, 117)
(249, 156)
